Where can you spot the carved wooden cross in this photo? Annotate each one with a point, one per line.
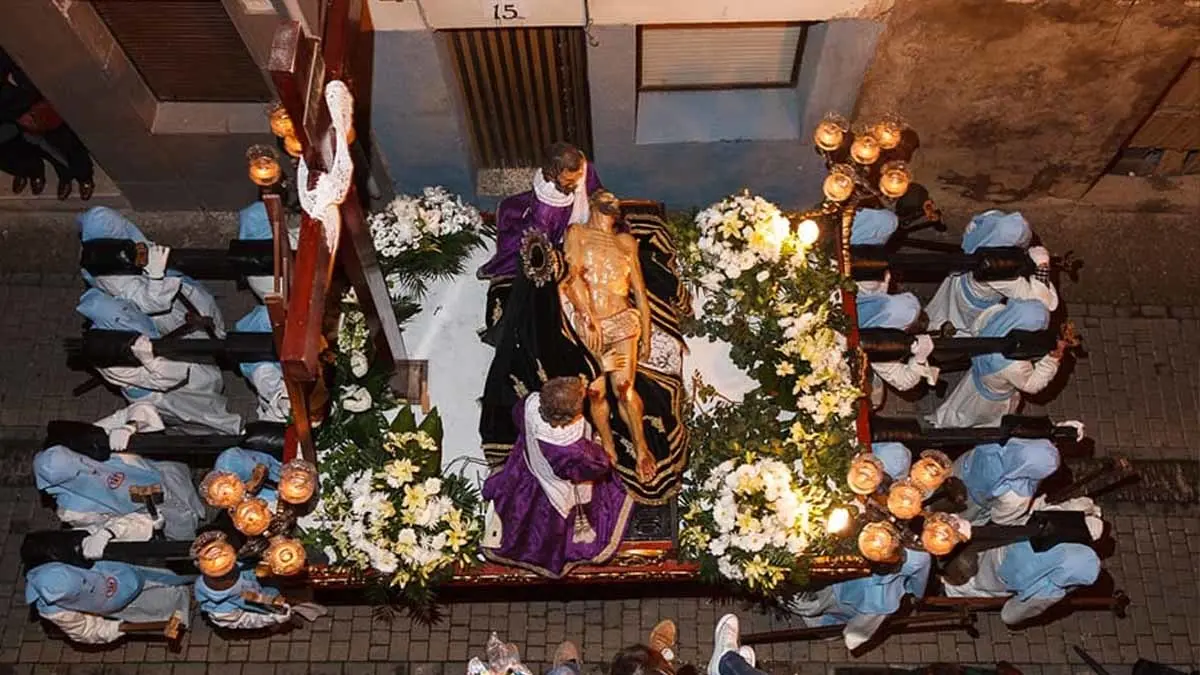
(300, 67)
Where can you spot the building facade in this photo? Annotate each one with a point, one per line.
(678, 100)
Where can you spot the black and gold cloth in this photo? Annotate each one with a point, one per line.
(535, 342)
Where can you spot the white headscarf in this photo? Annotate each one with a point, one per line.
(563, 494)
(547, 192)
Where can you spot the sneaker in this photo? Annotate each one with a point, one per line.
(747, 653)
(662, 639)
(725, 639)
(566, 652)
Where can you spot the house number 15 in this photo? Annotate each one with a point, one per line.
(506, 12)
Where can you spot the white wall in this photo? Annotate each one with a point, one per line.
(440, 14)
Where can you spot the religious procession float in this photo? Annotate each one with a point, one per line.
(579, 392)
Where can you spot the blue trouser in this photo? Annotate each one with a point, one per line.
(732, 663)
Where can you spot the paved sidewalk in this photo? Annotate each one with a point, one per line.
(1137, 391)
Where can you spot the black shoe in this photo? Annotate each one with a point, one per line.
(64, 189)
(86, 188)
(36, 185)
(18, 184)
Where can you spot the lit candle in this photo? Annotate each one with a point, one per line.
(263, 165)
(222, 489)
(807, 232)
(252, 516)
(839, 184)
(866, 474)
(894, 179)
(879, 542)
(285, 556)
(865, 149)
(904, 500)
(297, 481)
(930, 471)
(829, 134)
(838, 521)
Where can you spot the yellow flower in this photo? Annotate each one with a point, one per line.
(415, 497)
(785, 368)
(762, 574)
(746, 521)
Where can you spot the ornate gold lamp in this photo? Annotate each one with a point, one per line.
(252, 516)
(222, 490)
(297, 481)
(214, 555)
(888, 132)
(839, 184)
(904, 499)
(879, 542)
(894, 179)
(930, 471)
(865, 149)
(941, 534)
(263, 165)
(285, 556)
(281, 123)
(866, 474)
(831, 132)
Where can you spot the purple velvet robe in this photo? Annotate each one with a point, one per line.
(535, 536)
(518, 213)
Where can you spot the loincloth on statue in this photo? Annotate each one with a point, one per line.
(624, 325)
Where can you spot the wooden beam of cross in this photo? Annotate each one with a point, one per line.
(300, 67)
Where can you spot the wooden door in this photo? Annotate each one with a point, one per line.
(524, 89)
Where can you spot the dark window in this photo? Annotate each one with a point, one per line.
(185, 50)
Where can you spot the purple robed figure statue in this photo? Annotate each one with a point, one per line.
(558, 199)
(556, 503)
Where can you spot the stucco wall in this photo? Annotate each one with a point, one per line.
(836, 55)
(416, 115)
(1021, 99)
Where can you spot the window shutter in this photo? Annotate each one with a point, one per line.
(720, 57)
(185, 50)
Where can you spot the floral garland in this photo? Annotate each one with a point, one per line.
(766, 470)
(386, 512)
(419, 239)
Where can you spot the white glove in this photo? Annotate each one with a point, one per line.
(93, 544)
(142, 350)
(159, 521)
(156, 260)
(922, 347)
(962, 525)
(1040, 256)
(1077, 425)
(118, 439)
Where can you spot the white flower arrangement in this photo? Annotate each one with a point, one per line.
(777, 301)
(422, 238)
(752, 517)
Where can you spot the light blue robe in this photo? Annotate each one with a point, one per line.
(265, 377)
(241, 462)
(1034, 582)
(227, 609)
(1002, 480)
(873, 227)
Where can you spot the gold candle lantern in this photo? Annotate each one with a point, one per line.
(879, 542)
(930, 471)
(281, 123)
(838, 521)
(865, 149)
(252, 516)
(214, 555)
(263, 165)
(297, 481)
(292, 146)
(888, 132)
(866, 474)
(894, 179)
(285, 556)
(831, 132)
(222, 490)
(940, 535)
(904, 500)
(839, 184)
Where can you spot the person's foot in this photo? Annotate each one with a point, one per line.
(64, 189)
(36, 185)
(747, 653)
(662, 639)
(725, 639)
(566, 653)
(86, 188)
(18, 184)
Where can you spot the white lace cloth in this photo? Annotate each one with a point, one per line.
(321, 203)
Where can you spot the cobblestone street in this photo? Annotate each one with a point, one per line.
(1137, 390)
